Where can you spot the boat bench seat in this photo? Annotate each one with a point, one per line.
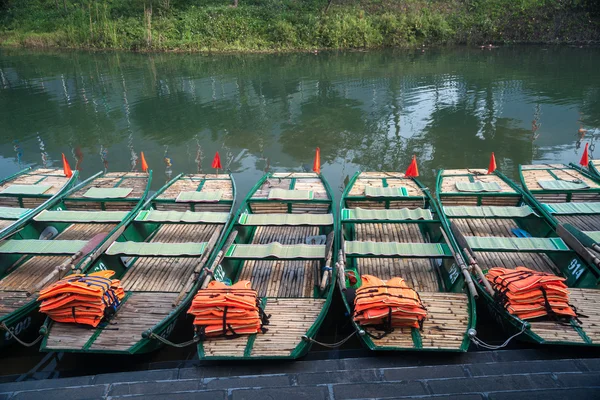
(275, 250)
(478, 187)
(178, 217)
(156, 249)
(88, 217)
(559, 184)
(41, 247)
(284, 194)
(200, 197)
(107, 193)
(25, 190)
(396, 249)
(572, 208)
(285, 219)
(516, 244)
(404, 214)
(488, 211)
(371, 191)
(13, 212)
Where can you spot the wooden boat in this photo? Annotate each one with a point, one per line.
(28, 192)
(158, 259)
(498, 225)
(87, 218)
(391, 228)
(282, 241)
(566, 195)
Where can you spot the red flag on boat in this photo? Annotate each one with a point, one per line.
(585, 158)
(317, 162)
(413, 170)
(144, 163)
(492, 166)
(216, 164)
(66, 167)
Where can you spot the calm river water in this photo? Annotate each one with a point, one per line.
(366, 110)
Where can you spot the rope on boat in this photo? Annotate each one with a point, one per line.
(473, 336)
(329, 345)
(153, 335)
(11, 333)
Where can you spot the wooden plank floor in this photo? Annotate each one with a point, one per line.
(140, 312)
(11, 301)
(536, 261)
(281, 278)
(37, 268)
(290, 319)
(587, 222)
(404, 233)
(418, 273)
(587, 303)
(167, 274)
(284, 234)
(446, 324)
(485, 227)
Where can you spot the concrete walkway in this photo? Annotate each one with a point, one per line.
(512, 374)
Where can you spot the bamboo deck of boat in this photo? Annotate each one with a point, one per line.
(532, 174)
(451, 177)
(447, 313)
(54, 178)
(137, 181)
(28, 272)
(151, 284)
(197, 183)
(287, 285)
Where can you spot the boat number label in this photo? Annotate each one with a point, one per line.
(219, 273)
(20, 327)
(453, 273)
(100, 267)
(168, 330)
(575, 268)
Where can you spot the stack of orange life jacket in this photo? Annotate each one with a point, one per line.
(230, 311)
(388, 304)
(531, 294)
(82, 299)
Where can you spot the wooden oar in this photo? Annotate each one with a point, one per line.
(94, 254)
(341, 271)
(462, 242)
(196, 274)
(328, 256)
(578, 241)
(89, 246)
(463, 266)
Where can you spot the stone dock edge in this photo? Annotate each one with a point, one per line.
(509, 374)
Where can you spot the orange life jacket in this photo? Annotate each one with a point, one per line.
(530, 294)
(221, 310)
(391, 303)
(82, 299)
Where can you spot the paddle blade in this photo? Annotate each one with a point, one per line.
(585, 158)
(93, 243)
(317, 162)
(573, 242)
(66, 167)
(582, 237)
(492, 166)
(413, 170)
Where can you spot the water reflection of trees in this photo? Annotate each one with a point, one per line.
(356, 106)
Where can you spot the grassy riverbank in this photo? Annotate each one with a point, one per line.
(279, 25)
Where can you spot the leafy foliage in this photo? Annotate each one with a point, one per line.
(265, 25)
